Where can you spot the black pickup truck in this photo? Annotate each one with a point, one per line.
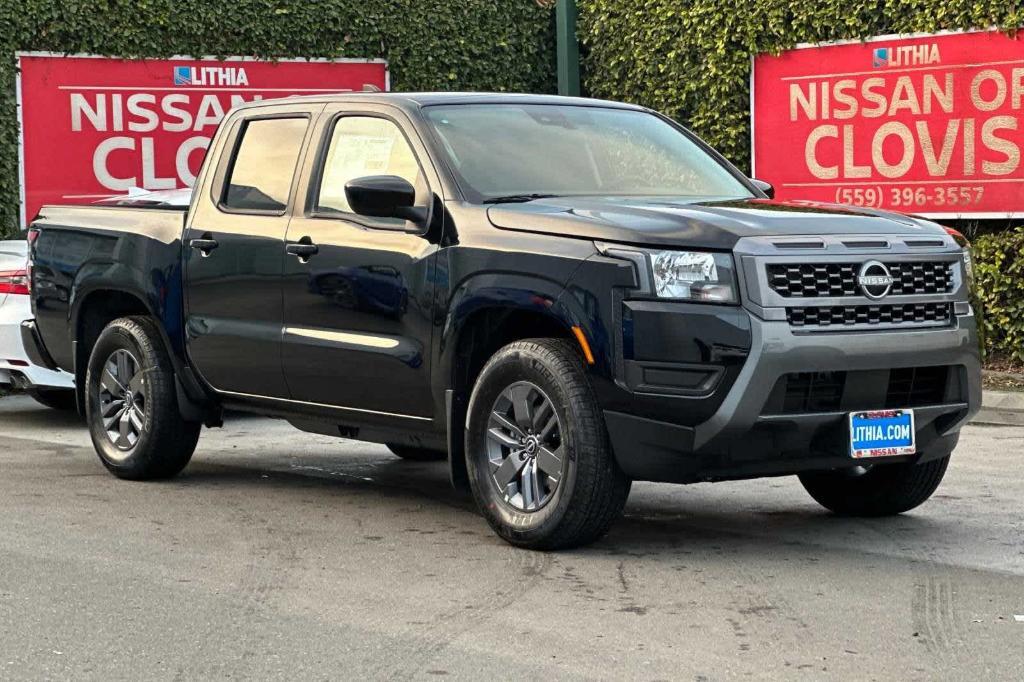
(559, 296)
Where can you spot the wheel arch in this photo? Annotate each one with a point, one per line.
(97, 306)
(483, 318)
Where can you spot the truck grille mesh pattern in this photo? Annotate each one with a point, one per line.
(916, 386)
(817, 392)
(885, 314)
(811, 391)
(818, 280)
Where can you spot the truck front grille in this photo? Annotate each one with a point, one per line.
(820, 280)
(811, 391)
(926, 314)
(916, 386)
(907, 387)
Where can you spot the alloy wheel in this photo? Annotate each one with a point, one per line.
(122, 400)
(524, 446)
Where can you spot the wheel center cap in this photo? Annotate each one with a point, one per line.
(129, 399)
(532, 445)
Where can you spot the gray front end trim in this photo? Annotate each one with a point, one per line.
(776, 351)
(777, 348)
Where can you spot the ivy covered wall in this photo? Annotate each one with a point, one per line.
(691, 58)
(430, 44)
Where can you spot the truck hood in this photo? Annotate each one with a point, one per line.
(711, 225)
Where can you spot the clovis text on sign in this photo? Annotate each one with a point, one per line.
(923, 124)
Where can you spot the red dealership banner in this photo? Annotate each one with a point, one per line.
(925, 124)
(93, 127)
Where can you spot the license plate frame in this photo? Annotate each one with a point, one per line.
(882, 433)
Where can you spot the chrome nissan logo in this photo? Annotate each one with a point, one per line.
(532, 445)
(874, 279)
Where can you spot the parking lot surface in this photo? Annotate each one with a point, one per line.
(284, 555)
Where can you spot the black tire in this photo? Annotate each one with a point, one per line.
(165, 442)
(882, 490)
(62, 399)
(414, 454)
(591, 490)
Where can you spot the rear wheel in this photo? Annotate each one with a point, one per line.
(882, 490)
(538, 456)
(132, 405)
(415, 454)
(55, 398)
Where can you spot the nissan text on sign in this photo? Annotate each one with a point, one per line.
(929, 125)
(93, 127)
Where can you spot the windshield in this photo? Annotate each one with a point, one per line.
(524, 151)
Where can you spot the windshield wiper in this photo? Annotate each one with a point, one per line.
(517, 198)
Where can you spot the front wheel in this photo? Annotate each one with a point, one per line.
(882, 490)
(132, 405)
(538, 456)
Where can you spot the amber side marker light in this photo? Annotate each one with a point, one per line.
(958, 237)
(584, 345)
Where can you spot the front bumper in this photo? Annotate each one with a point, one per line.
(742, 439)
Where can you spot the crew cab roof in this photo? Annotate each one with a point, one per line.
(415, 100)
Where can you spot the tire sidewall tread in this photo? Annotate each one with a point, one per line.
(593, 490)
(885, 490)
(168, 441)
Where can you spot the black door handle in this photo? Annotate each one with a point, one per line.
(304, 249)
(204, 246)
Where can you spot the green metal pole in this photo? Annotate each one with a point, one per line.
(568, 48)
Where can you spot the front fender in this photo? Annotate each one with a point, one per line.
(591, 301)
(584, 297)
(533, 294)
(479, 295)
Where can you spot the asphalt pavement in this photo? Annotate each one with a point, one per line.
(283, 555)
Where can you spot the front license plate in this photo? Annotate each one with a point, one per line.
(883, 433)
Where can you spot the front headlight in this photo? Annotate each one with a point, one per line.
(685, 275)
(695, 275)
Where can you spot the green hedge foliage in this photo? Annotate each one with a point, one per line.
(999, 279)
(691, 59)
(505, 45)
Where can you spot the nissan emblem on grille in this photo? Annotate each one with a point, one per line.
(839, 279)
(874, 279)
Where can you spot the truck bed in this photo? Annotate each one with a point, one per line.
(83, 251)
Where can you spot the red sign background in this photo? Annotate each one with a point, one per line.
(924, 124)
(93, 127)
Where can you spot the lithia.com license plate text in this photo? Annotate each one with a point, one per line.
(882, 433)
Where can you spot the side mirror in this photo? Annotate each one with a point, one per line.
(765, 187)
(384, 196)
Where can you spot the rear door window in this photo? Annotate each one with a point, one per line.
(261, 173)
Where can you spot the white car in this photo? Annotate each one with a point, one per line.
(53, 389)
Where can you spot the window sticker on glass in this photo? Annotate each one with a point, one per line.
(362, 146)
(362, 155)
